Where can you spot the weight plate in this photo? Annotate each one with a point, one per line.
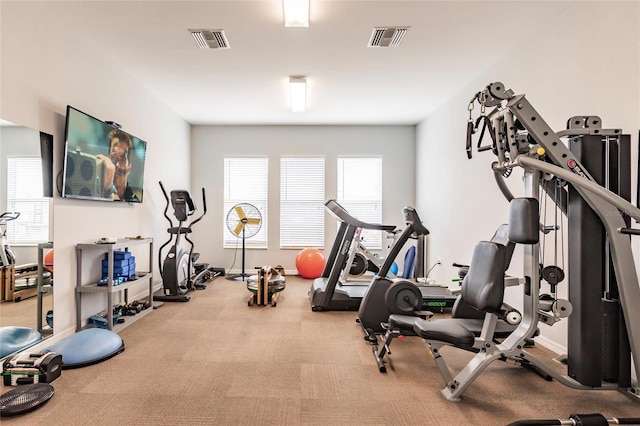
(552, 274)
(403, 297)
(562, 308)
(358, 266)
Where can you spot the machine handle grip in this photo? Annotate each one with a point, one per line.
(166, 207)
(204, 209)
(629, 231)
(470, 131)
(204, 201)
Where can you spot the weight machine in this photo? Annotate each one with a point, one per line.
(600, 349)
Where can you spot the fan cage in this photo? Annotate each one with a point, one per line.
(234, 220)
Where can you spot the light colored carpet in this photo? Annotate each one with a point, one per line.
(215, 360)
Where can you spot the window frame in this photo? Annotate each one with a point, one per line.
(312, 209)
(362, 208)
(242, 194)
(33, 225)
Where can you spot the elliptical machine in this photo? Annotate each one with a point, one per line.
(180, 274)
(392, 296)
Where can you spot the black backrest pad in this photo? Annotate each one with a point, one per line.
(524, 221)
(502, 236)
(483, 287)
(461, 309)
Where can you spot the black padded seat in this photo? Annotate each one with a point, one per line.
(482, 289)
(503, 329)
(446, 330)
(403, 323)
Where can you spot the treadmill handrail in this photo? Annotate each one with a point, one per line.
(337, 211)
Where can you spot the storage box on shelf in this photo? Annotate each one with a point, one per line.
(118, 275)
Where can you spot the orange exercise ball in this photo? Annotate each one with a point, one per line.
(48, 259)
(310, 263)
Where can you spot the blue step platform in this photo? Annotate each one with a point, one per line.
(87, 347)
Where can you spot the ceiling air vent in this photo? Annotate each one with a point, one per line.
(387, 37)
(210, 39)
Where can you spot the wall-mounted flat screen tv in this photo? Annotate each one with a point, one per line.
(101, 161)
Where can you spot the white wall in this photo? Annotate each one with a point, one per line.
(586, 61)
(46, 66)
(212, 143)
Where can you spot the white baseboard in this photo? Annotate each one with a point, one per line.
(551, 345)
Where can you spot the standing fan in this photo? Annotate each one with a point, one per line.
(244, 221)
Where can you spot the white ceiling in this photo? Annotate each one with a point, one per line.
(448, 44)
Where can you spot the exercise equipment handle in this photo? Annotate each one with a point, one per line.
(412, 219)
(204, 209)
(593, 419)
(339, 212)
(468, 147)
(7, 216)
(166, 207)
(629, 231)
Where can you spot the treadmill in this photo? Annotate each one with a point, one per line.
(328, 293)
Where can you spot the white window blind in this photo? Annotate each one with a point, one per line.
(360, 193)
(246, 181)
(301, 202)
(24, 195)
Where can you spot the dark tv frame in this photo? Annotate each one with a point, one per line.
(46, 156)
(75, 147)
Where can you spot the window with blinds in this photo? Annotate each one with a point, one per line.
(360, 193)
(301, 202)
(246, 181)
(24, 195)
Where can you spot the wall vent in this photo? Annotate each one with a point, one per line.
(210, 39)
(387, 37)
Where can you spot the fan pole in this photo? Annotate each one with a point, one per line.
(243, 238)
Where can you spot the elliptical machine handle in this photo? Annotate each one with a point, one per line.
(166, 207)
(412, 219)
(204, 209)
(7, 216)
(164, 192)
